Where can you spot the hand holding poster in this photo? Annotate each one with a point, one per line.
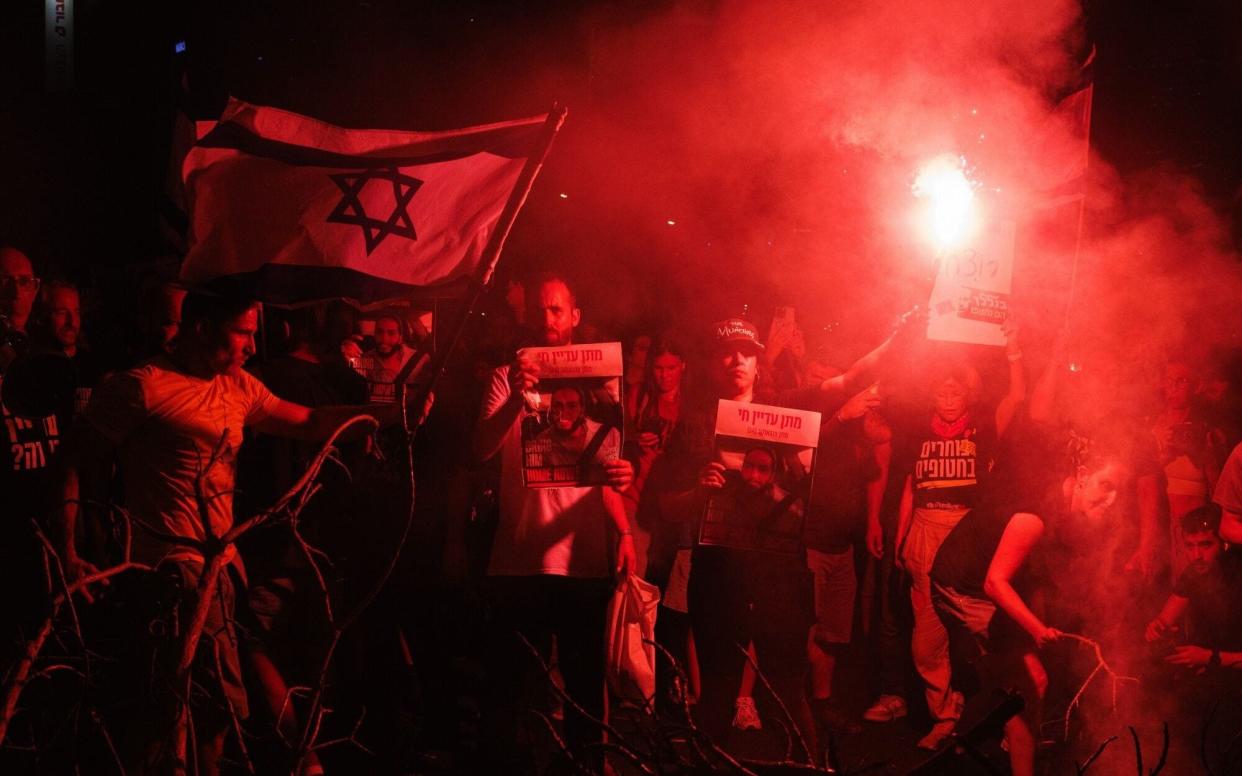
(574, 415)
(768, 454)
(970, 300)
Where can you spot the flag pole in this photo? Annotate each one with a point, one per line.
(487, 265)
(1082, 201)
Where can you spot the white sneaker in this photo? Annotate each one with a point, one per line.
(747, 716)
(886, 708)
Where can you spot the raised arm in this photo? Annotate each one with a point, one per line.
(1012, 401)
(1042, 407)
(864, 371)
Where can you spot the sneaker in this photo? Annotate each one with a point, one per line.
(938, 736)
(747, 716)
(829, 717)
(887, 708)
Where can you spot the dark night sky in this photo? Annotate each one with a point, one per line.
(84, 169)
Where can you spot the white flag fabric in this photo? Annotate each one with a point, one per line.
(296, 210)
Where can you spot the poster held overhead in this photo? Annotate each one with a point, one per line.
(769, 457)
(574, 416)
(970, 299)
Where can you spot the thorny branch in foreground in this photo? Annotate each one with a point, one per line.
(1101, 665)
(215, 553)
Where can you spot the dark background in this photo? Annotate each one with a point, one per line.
(84, 169)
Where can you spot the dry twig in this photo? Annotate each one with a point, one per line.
(1082, 767)
(790, 725)
(1100, 665)
(21, 673)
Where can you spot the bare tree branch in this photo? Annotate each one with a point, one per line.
(806, 751)
(1082, 767)
(20, 675)
(1100, 665)
(1164, 752)
(567, 698)
(1138, 751)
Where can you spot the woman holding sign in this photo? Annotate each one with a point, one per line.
(758, 593)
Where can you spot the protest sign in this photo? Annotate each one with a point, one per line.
(574, 416)
(971, 296)
(769, 455)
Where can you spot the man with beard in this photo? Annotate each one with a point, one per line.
(1209, 594)
(551, 568)
(59, 329)
(571, 435)
(18, 287)
(159, 319)
(383, 362)
(1198, 636)
(759, 503)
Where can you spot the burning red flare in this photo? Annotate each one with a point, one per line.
(949, 218)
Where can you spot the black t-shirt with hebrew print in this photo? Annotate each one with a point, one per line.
(947, 470)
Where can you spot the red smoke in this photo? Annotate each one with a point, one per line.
(783, 138)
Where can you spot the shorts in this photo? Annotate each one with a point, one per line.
(836, 585)
(217, 664)
(965, 616)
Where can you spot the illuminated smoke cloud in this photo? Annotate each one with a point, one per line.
(789, 135)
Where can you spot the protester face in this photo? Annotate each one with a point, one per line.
(387, 337)
(18, 286)
(65, 316)
(566, 410)
(1214, 388)
(553, 314)
(666, 372)
(163, 323)
(232, 345)
(950, 400)
(1202, 550)
(639, 351)
(739, 367)
(1178, 385)
(515, 298)
(1095, 492)
(757, 469)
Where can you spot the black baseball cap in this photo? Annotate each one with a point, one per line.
(736, 331)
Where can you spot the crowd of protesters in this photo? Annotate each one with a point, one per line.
(969, 522)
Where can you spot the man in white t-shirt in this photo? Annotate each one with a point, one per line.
(174, 426)
(551, 569)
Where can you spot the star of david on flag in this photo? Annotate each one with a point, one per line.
(352, 210)
(295, 210)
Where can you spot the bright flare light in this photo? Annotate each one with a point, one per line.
(949, 218)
